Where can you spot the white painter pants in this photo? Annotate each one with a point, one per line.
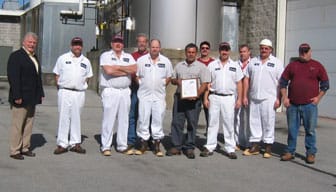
(70, 105)
(116, 105)
(157, 110)
(221, 107)
(262, 121)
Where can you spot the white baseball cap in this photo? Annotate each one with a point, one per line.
(266, 42)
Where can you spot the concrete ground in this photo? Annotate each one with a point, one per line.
(94, 172)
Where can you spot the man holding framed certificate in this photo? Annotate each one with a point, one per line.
(191, 78)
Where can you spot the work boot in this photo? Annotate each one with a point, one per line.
(287, 157)
(268, 151)
(143, 146)
(157, 150)
(254, 150)
(310, 159)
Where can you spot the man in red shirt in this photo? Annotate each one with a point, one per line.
(205, 59)
(142, 44)
(307, 82)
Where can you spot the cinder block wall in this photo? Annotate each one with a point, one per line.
(10, 35)
(257, 21)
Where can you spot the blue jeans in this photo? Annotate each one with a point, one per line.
(133, 117)
(308, 114)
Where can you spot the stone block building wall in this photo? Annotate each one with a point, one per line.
(10, 35)
(257, 21)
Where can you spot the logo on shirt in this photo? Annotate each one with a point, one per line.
(256, 64)
(114, 59)
(270, 64)
(161, 65)
(147, 65)
(68, 62)
(217, 69)
(232, 69)
(126, 60)
(83, 65)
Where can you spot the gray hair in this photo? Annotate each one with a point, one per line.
(30, 34)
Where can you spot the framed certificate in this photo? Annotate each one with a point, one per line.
(189, 88)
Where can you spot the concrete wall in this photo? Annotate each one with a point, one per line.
(10, 35)
(257, 21)
(313, 22)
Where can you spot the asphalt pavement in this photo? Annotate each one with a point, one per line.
(71, 172)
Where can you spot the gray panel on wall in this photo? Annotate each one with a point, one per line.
(5, 51)
(56, 36)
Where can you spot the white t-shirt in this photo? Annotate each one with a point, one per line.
(73, 71)
(224, 78)
(264, 78)
(110, 58)
(152, 85)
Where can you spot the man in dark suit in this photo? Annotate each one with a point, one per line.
(26, 91)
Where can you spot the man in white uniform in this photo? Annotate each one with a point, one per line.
(262, 83)
(220, 98)
(117, 67)
(242, 129)
(154, 73)
(72, 71)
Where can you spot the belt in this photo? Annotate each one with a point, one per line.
(71, 89)
(220, 94)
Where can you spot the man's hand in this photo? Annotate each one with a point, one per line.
(18, 101)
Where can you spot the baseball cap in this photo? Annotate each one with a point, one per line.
(304, 48)
(266, 42)
(77, 41)
(224, 46)
(117, 39)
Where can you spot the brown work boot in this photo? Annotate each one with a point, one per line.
(268, 151)
(157, 150)
(287, 157)
(310, 159)
(254, 150)
(78, 149)
(173, 151)
(143, 147)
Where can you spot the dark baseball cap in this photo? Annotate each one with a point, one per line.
(224, 46)
(77, 41)
(117, 39)
(304, 48)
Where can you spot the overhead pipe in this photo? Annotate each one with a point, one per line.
(73, 14)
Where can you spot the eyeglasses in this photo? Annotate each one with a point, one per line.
(205, 48)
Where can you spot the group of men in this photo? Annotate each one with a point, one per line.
(239, 96)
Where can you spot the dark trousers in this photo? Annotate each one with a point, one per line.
(185, 110)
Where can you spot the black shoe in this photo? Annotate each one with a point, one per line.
(206, 153)
(17, 156)
(28, 154)
(232, 155)
(190, 154)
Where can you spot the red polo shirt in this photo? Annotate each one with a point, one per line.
(206, 63)
(304, 79)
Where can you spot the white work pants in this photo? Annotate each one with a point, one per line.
(221, 107)
(70, 105)
(116, 105)
(157, 110)
(262, 121)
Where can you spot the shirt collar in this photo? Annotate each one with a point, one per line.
(30, 54)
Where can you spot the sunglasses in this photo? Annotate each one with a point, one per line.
(205, 48)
